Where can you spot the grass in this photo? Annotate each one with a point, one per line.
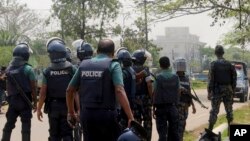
(241, 116)
(196, 84)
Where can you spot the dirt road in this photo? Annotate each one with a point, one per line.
(40, 129)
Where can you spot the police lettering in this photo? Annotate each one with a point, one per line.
(92, 73)
(61, 72)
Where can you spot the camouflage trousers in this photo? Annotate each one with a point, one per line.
(143, 114)
(183, 115)
(224, 95)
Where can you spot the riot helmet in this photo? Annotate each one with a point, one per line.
(140, 57)
(68, 54)
(57, 50)
(219, 50)
(180, 64)
(22, 50)
(124, 57)
(135, 133)
(84, 50)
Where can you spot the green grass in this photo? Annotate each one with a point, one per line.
(241, 116)
(196, 84)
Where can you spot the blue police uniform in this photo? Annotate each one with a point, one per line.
(57, 81)
(96, 79)
(23, 74)
(166, 98)
(129, 79)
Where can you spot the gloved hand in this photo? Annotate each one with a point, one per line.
(72, 119)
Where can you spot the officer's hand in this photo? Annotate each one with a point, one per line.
(39, 115)
(194, 110)
(129, 122)
(72, 119)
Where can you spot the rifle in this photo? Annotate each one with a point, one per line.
(77, 131)
(196, 98)
(22, 93)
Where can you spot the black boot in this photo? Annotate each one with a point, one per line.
(25, 136)
(6, 136)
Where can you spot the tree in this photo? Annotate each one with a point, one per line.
(85, 19)
(17, 22)
(221, 11)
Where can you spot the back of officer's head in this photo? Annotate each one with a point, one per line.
(106, 46)
(219, 50)
(164, 62)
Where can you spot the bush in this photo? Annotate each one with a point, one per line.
(196, 84)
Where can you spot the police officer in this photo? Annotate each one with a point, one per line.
(144, 90)
(165, 100)
(185, 98)
(55, 81)
(100, 83)
(83, 49)
(23, 73)
(221, 86)
(129, 80)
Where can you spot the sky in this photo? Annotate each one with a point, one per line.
(198, 24)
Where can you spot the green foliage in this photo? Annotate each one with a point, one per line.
(196, 84)
(85, 18)
(6, 55)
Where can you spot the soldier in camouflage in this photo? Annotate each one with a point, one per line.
(221, 86)
(185, 99)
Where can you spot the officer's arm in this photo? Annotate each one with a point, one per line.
(71, 90)
(123, 100)
(31, 74)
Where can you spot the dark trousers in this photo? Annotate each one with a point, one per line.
(100, 125)
(18, 107)
(167, 123)
(59, 127)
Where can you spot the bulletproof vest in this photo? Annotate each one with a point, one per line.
(184, 82)
(18, 73)
(141, 87)
(129, 82)
(222, 72)
(166, 90)
(57, 81)
(96, 86)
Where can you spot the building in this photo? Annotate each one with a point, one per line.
(179, 43)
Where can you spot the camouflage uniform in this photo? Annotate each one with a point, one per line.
(184, 104)
(222, 82)
(143, 103)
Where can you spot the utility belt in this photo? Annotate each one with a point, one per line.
(56, 99)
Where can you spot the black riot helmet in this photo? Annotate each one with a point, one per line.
(140, 57)
(219, 50)
(22, 50)
(68, 54)
(124, 57)
(84, 50)
(135, 133)
(57, 50)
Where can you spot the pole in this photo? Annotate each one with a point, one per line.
(146, 24)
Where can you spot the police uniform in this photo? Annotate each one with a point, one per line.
(222, 82)
(143, 102)
(57, 81)
(23, 74)
(96, 79)
(184, 103)
(165, 102)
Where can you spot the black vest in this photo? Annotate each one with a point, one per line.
(129, 82)
(141, 88)
(184, 82)
(166, 91)
(96, 86)
(24, 82)
(57, 81)
(222, 72)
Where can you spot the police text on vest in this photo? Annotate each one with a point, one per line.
(92, 73)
